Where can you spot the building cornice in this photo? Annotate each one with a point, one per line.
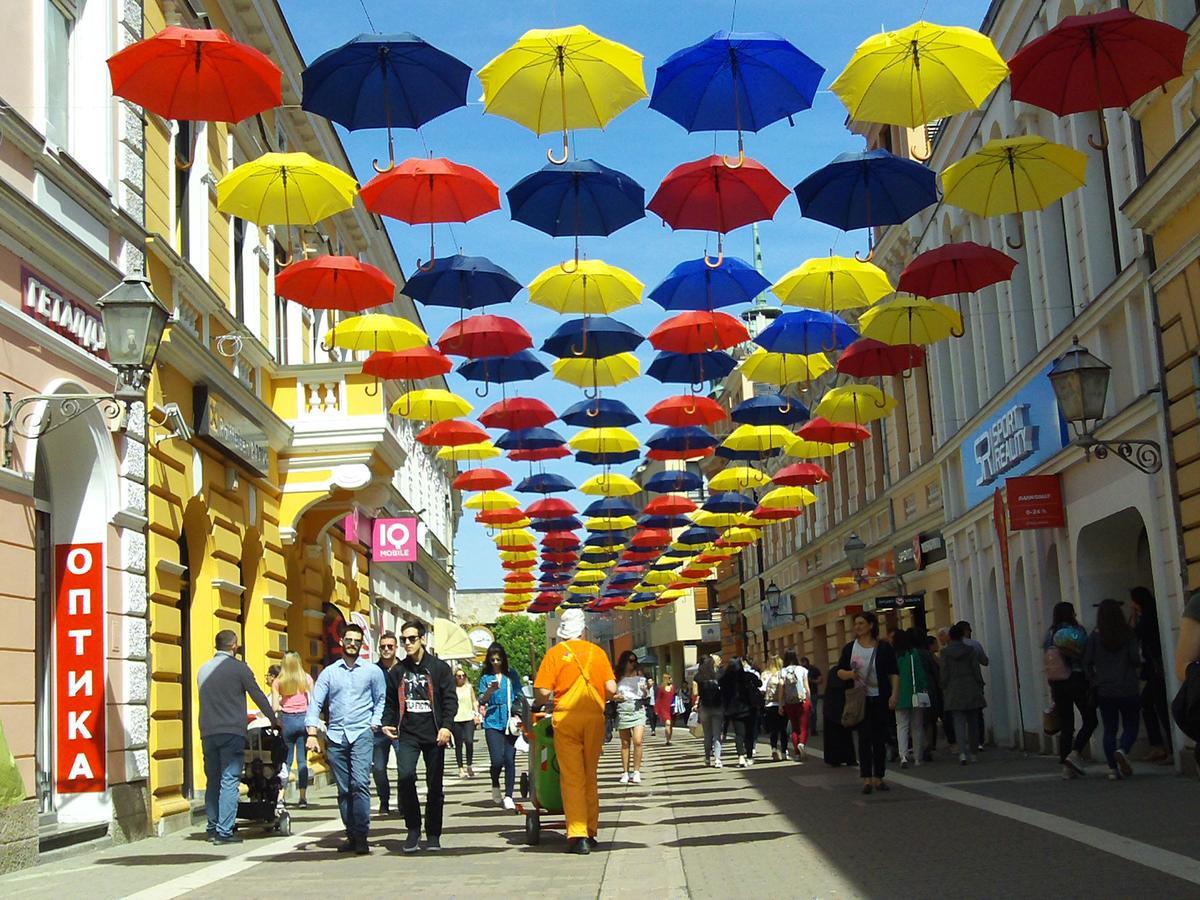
(1173, 183)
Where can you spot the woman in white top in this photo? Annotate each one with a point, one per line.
(793, 697)
(773, 717)
(632, 691)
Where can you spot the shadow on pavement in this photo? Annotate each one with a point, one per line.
(717, 840)
(701, 820)
(165, 859)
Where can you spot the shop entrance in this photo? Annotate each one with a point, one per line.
(1112, 557)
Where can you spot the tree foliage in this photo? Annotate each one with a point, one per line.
(519, 635)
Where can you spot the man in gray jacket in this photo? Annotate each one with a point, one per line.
(224, 683)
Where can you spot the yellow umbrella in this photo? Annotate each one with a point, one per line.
(659, 576)
(589, 577)
(610, 523)
(558, 79)
(833, 283)
(376, 331)
(748, 535)
(805, 449)
(758, 438)
(1014, 175)
(857, 403)
(507, 539)
(583, 588)
(910, 320)
(431, 405)
(491, 500)
(592, 287)
(738, 478)
(604, 440)
(607, 371)
(609, 484)
(691, 549)
(587, 564)
(782, 369)
(918, 74)
(285, 189)
(788, 498)
(517, 555)
(600, 551)
(514, 525)
(470, 452)
(706, 519)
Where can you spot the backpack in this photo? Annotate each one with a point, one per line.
(710, 694)
(1185, 708)
(792, 687)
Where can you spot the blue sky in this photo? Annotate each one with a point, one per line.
(640, 142)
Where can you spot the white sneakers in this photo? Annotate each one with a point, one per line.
(624, 779)
(509, 803)
(497, 794)
(801, 753)
(741, 762)
(716, 763)
(637, 778)
(1075, 761)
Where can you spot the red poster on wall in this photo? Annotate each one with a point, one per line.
(79, 663)
(1035, 501)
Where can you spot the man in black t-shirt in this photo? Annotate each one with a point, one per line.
(384, 744)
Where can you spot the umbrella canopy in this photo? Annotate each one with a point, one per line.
(823, 431)
(960, 268)
(610, 523)
(517, 412)
(547, 507)
(801, 475)
(481, 480)
(477, 336)
(604, 440)
(335, 282)
(867, 358)
(424, 191)
(918, 74)
(285, 189)
(674, 482)
(539, 455)
(833, 283)
(691, 368)
(591, 337)
(696, 332)
(781, 369)
(748, 455)
(757, 438)
(788, 497)
(911, 320)
(513, 540)
(686, 409)
(1012, 175)
(688, 438)
(412, 365)
(376, 331)
(736, 478)
(607, 371)
(491, 500)
(707, 195)
(660, 453)
(610, 506)
(451, 433)
(803, 448)
(562, 523)
(857, 403)
(561, 540)
(806, 331)
(697, 535)
(520, 366)
(765, 515)
(651, 537)
(196, 74)
(593, 287)
(697, 284)
(866, 189)
(728, 502)
(577, 198)
(430, 405)
(770, 409)
(529, 439)
(462, 282)
(610, 484)
(504, 518)
(603, 412)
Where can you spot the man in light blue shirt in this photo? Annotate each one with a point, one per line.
(355, 694)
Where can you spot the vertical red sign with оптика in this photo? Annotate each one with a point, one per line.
(79, 663)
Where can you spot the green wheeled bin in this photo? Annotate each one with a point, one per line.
(545, 788)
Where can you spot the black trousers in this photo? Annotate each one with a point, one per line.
(1069, 695)
(1156, 713)
(872, 738)
(408, 749)
(740, 725)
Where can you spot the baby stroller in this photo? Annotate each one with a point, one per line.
(265, 775)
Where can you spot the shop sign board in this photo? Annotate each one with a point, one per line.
(1035, 501)
(80, 739)
(925, 548)
(235, 434)
(78, 322)
(394, 540)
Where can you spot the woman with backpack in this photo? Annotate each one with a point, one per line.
(1112, 662)
(794, 678)
(914, 701)
(773, 717)
(499, 693)
(706, 701)
(1064, 647)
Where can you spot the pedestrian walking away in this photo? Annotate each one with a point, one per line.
(290, 691)
(632, 690)
(913, 703)
(353, 692)
(1111, 663)
(664, 706)
(502, 701)
(709, 707)
(773, 717)
(649, 701)
(577, 676)
(738, 693)
(421, 704)
(933, 677)
(757, 708)
(1064, 647)
(962, 689)
(981, 655)
(814, 695)
(463, 726)
(871, 665)
(224, 681)
(1155, 710)
(383, 746)
(795, 694)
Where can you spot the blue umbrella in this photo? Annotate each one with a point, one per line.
(735, 81)
(698, 535)
(806, 331)
(667, 522)
(606, 539)
(602, 412)
(677, 481)
(747, 455)
(689, 437)
(691, 368)
(521, 366)
(462, 282)
(600, 555)
(625, 578)
(384, 81)
(665, 566)
(543, 482)
(770, 409)
(531, 439)
(591, 337)
(611, 506)
(729, 502)
(563, 523)
(693, 285)
(606, 459)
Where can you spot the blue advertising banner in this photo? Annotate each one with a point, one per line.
(1027, 432)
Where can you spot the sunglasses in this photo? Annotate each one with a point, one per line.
(387, 646)
(411, 638)
(351, 640)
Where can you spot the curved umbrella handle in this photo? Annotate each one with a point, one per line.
(591, 394)
(593, 411)
(696, 386)
(391, 150)
(870, 255)
(959, 332)
(1020, 241)
(1102, 143)
(915, 154)
(709, 261)
(372, 393)
(427, 266)
(579, 351)
(741, 160)
(432, 255)
(574, 267)
(566, 152)
(484, 392)
(184, 165)
(326, 345)
(383, 169)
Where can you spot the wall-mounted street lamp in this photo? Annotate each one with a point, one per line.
(774, 600)
(134, 320)
(855, 552)
(1080, 383)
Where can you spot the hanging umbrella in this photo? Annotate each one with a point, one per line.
(728, 502)
(757, 438)
(782, 497)
(591, 337)
(430, 405)
(451, 433)
(833, 283)
(335, 282)
(478, 336)
(592, 287)
(539, 455)
(866, 190)
(770, 409)
(735, 537)
(697, 535)
(960, 268)
(610, 484)
(604, 440)
(613, 458)
(763, 515)
(806, 331)
(679, 481)
(504, 518)
(1014, 175)
(696, 332)
(801, 475)
(611, 506)
(409, 365)
(691, 368)
(1091, 63)
(857, 403)
(514, 540)
(517, 412)
(781, 369)
(687, 439)
(374, 332)
(736, 478)
(548, 507)
(561, 79)
(735, 81)
(490, 500)
(544, 483)
(576, 199)
(529, 439)
(521, 366)
(749, 455)
(601, 412)
(707, 195)
(802, 448)
(285, 189)
(651, 537)
(610, 523)
(686, 453)
(910, 320)
(429, 191)
(822, 431)
(384, 81)
(561, 540)
(480, 480)
(686, 409)
(867, 358)
(563, 523)
(604, 372)
(697, 285)
(462, 282)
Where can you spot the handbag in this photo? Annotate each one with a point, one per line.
(516, 724)
(693, 724)
(1056, 665)
(1050, 721)
(855, 709)
(920, 699)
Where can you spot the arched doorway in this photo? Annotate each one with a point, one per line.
(1112, 556)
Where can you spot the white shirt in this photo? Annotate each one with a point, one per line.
(770, 688)
(864, 671)
(797, 675)
(632, 687)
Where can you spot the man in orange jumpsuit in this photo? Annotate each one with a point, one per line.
(580, 678)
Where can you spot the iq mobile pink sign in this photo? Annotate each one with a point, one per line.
(394, 540)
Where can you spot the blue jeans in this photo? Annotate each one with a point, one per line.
(382, 746)
(224, 755)
(502, 748)
(294, 737)
(351, 764)
(1127, 710)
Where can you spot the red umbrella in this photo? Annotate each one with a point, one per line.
(960, 268)
(481, 480)
(523, 577)
(477, 336)
(636, 556)
(515, 413)
(651, 537)
(451, 433)
(867, 358)
(196, 74)
(564, 556)
(335, 282)
(499, 516)
(680, 454)
(514, 564)
(549, 508)
(803, 474)
(707, 195)
(696, 332)
(669, 505)
(1097, 62)
(686, 409)
(825, 432)
(410, 365)
(779, 513)
(539, 455)
(607, 603)
(560, 540)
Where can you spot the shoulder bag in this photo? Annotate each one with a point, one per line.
(920, 699)
(855, 709)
